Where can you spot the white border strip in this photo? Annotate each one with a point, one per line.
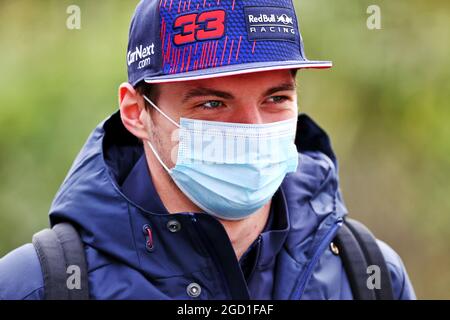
(236, 72)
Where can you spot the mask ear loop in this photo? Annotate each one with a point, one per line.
(157, 157)
(160, 111)
(149, 143)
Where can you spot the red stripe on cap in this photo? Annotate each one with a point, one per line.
(178, 60)
(174, 55)
(182, 60)
(163, 40)
(231, 51)
(211, 51)
(208, 54)
(215, 52)
(189, 59)
(205, 56)
(224, 49)
(239, 48)
(202, 56)
(213, 45)
(169, 45)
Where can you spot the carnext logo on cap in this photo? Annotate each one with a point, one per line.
(142, 55)
(270, 23)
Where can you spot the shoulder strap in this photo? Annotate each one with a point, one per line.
(374, 256)
(57, 249)
(359, 250)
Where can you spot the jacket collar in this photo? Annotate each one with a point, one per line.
(139, 189)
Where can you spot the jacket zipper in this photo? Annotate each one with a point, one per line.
(307, 274)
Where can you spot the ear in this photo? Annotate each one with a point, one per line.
(132, 111)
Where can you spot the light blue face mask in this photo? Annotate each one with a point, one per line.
(230, 170)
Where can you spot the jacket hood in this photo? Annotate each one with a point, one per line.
(90, 197)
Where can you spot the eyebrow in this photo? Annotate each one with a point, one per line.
(203, 91)
(281, 87)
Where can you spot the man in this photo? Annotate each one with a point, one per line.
(195, 189)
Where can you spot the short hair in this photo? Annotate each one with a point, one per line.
(149, 90)
(294, 72)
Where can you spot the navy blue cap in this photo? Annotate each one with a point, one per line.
(179, 40)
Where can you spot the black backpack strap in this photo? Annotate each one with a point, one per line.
(374, 256)
(57, 249)
(355, 263)
(358, 249)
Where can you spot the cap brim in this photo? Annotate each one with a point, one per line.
(231, 70)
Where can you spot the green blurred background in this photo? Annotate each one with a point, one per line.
(385, 105)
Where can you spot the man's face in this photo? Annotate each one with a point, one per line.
(254, 98)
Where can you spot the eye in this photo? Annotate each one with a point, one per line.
(212, 104)
(278, 99)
